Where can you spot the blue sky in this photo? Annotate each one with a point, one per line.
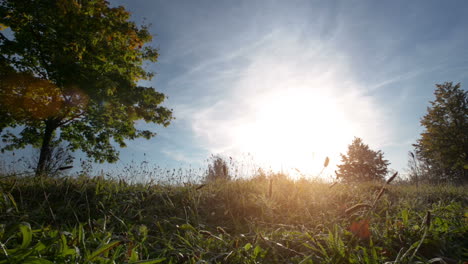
(291, 82)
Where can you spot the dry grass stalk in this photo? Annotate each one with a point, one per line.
(428, 219)
(262, 238)
(381, 192)
(289, 249)
(208, 233)
(222, 231)
(356, 207)
(255, 240)
(270, 190)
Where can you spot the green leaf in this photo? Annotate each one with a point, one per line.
(12, 200)
(187, 227)
(26, 232)
(133, 255)
(257, 251)
(102, 250)
(405, 216)
(36, 260)
(248, 246)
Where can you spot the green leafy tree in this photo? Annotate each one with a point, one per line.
(70, 72)
(361, 163)
(443, 146)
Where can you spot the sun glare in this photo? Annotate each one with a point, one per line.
(295, 129)
(291, 108)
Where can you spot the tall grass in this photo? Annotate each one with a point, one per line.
(270, 219)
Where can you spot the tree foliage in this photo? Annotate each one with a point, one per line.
(70, 73)
(361, 163)
(443, 145)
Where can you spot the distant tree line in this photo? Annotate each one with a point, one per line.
(440, 154)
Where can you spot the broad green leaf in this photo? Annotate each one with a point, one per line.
(133, 255)
(257, 251)
(26, 232)
(248, 246)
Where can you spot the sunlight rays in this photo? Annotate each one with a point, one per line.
(290, 108)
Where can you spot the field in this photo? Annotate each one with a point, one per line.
(260, 220)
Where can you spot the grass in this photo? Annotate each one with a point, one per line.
(259, 220)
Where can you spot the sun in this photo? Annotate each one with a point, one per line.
(291, 108)
(295, 129)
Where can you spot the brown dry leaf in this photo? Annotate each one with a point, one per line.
(360, 228)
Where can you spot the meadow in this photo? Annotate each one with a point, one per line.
(264, 219)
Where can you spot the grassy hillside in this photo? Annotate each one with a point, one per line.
(243, 221)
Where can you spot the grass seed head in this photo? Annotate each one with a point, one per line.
(201, 186)
(392, 178)
(205, 233)
(327, 160)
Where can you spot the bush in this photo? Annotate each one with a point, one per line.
(217, 170)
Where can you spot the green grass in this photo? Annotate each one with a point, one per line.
(82, 220)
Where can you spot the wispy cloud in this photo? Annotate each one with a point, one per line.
(182, 156)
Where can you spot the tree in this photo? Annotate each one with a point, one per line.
(443, 146)
(70, 73)
(217, 170)
(361, 163)
(60, 159)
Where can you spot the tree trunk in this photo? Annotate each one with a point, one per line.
(45, 154)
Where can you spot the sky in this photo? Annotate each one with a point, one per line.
(284, 84)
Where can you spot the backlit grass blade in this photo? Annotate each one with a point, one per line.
(103, 249)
